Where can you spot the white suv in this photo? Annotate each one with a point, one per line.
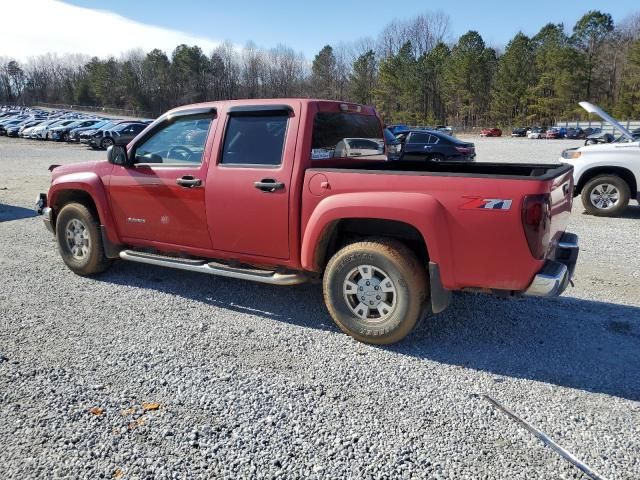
(606, 175)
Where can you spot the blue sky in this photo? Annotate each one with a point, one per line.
(114, 27)
(308, 25)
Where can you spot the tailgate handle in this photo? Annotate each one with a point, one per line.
(268, 185)
(565, 188)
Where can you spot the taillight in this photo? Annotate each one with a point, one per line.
(536, 220)
(464, 149)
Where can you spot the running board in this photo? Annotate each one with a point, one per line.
(214, 268)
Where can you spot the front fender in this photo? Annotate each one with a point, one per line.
(419, 210)
(91, 184)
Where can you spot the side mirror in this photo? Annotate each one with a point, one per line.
(117, 155)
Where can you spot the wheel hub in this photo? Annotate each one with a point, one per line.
(604, 196)
(77, 237)
(370, 293)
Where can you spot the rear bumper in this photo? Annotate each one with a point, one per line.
(557, 272)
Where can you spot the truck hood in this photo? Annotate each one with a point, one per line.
(591, 108)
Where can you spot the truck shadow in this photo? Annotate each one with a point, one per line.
(12, 212)
(583, 344)
(631, 212)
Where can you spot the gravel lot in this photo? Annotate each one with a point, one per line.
(255, 381)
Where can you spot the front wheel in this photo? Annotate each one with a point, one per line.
(79, 240)
(106, 143)
(605, 196)
(375, 291)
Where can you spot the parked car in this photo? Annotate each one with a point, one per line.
(398, 129)
(9, 123)
(387, 239)
(599, 137)
(61, 132)
(14, 130)
(606, 175)
(519, 132)
(42, 131)
(575, 133)
(447, 130)
(394, 146)
(120, 134)
(425, 145)
(491, 132)
(553, 133)
(536, 133)
(74, 133)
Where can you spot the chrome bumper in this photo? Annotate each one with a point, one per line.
(556, 273)
(43, 210)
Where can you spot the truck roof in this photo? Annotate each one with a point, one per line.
(350, 106)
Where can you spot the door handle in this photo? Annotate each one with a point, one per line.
(189, 181)
(268, 185)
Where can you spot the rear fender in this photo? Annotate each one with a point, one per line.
(91, 184)
(420, 210)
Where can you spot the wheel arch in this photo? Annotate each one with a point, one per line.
(622, 172)
(413, 217)
(341, 232)
(87, 189)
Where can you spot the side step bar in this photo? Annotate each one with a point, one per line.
(213, 268)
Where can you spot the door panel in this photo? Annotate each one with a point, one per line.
(245, 219)
(146, 199)
(148, 204)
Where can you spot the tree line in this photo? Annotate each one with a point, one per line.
(412, 72)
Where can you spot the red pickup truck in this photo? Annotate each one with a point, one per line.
(292, 190)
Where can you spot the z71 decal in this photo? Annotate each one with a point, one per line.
(487, 204)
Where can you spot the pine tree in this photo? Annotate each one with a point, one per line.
(363, 78)
(514, 76)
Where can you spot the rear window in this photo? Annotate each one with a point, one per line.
(346, 135)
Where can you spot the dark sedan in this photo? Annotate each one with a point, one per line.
(435, 147)
(120, 135)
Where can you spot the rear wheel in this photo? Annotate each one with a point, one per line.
(437, 158)
(79, 240)
(375, 290)
(605, 196)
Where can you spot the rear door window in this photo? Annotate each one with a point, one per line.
(256, 140)
(346, 135)
(419, 138)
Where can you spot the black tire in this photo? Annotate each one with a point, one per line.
(94, 260)
(398, 264)
(623, 194)
(436, 158)
(65, 137)
(106, 143)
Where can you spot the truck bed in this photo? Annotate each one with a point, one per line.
(468, 169)
(469, 214)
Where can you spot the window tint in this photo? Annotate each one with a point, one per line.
(419, 138)
(180, 141)
(339, 135)
(254, 140)
(433, 139)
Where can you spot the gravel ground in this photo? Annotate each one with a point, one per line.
(195, 376)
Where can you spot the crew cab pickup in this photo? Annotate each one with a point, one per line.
(260, 190)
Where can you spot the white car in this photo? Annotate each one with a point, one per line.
(606, 175)
(536, 133)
